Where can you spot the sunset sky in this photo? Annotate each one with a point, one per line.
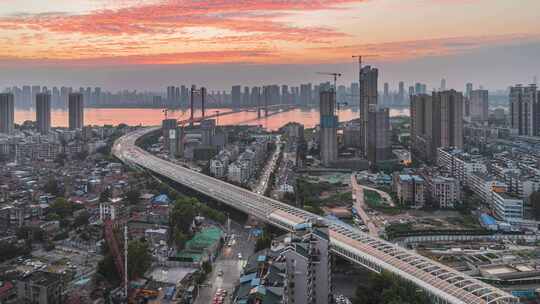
(147, 43)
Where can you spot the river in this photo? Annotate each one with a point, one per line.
(151, 117)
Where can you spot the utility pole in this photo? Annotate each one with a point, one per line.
(203, 97)
(191, 105)
(126, 260)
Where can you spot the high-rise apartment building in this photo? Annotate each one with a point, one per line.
(401, 92)
(76, 111)
(436, 121)
(236, 96)
(448, 111)
(305, 94)
(443, 84)
(386, 93)
(468, 90)
(245, 97)
(379, 146)
(173, 96)
(7, 113)
(368, 97)
(479, 105)
(43, 112)
(525, 110)
(328, 144)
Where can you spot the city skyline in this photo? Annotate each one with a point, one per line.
(136, 44)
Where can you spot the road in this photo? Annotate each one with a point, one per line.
(230, 264)
(266, 173)
(359, 204)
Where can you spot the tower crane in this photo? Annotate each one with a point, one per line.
(335, 75)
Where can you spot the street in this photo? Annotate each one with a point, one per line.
(358, 193)
(230, 264)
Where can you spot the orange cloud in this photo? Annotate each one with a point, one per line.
(203, 31)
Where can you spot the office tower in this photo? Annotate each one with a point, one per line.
(7, 113)
(468, 90)
(245, 97)
(401, 92)
(236, 96)
(379, 135)
(328, 144)
(411, 92)
(443, 85)
(436, 122)
(479, 105)
(76, 111)
(525, 110)
(43, 113)
(386, 93)
(368, 97)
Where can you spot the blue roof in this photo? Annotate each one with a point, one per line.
(256, 282)
(487, 220)
(261, 258)
(248, 277)
(302, 226)
(408, 178)
(161, 199)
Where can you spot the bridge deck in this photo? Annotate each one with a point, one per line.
(438, 280)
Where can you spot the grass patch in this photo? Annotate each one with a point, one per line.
(372, 198)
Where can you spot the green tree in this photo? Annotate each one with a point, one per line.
(61, 207)
(81, 219)
(139, 258)
(534, 199)
(52, 187)
(107, 269)
(51, 216)
(386, 288)
(183, 213)
(206, 267)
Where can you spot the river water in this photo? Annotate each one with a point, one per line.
(150, 117)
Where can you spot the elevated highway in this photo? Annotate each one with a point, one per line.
(442, 283)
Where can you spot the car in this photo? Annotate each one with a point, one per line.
(220, 273)
(239, 255)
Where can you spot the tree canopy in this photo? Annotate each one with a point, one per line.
(139, 258)
(386, 288)
(61, 207)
